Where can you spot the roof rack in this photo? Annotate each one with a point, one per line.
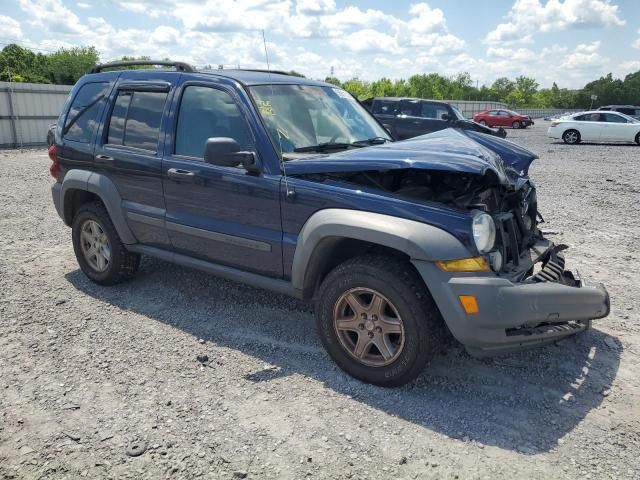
(180, 66)
(277, 72)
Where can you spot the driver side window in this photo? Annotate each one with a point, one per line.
(204, 113)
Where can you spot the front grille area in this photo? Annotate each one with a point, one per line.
(546, 328)
(512, 238)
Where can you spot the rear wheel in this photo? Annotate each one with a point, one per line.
(571, 137)
(482, 122)
(100, 253)
(516, 124)
(377, 320)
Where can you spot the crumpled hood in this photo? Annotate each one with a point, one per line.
(448, 150)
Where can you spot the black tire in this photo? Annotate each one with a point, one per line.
(516, 125)
(638, 138)
(122, 264)
(482, 122)
(571, 137)
(423, 327)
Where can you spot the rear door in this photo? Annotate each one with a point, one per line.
(409, 122)
(220, 214)
(129, 152)
(589, 126)
(432, 113)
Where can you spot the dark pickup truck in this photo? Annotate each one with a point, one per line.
(411, 117)
(288, 184)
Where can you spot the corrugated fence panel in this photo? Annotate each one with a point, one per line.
(27, 109)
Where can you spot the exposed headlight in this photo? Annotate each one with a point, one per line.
(484, 231)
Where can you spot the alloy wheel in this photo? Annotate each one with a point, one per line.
(571, 137)
(95, 245)
(369, 327)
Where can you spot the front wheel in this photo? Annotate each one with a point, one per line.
(516, 124)
(638, 138)
(377, 320)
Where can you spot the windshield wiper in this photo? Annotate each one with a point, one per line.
(323, 147)
(370, 141)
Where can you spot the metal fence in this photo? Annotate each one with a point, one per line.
(26, 110)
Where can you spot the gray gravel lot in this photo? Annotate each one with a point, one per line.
(86, 371)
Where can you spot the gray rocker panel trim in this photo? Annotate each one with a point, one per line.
(105, 189)
(255, 280)
(419, 241)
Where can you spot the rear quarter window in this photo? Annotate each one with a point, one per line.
(81, 121)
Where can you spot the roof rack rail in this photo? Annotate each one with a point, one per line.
(260, 70)
(180, 66)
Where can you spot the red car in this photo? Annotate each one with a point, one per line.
(503, 118)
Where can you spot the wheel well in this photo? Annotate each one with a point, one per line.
(333, 251)
(74, 199)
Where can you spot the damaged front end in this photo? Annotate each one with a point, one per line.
(527, 297)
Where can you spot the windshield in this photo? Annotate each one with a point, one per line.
(299, 117)
(458, 113)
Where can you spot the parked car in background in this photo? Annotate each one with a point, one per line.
(410, 117)
(596, 126)
(630, 110)
(503, 118)
(289, 184)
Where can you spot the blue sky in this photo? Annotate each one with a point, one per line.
(567, 41)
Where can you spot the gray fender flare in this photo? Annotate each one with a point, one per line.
(420, 241)
(104, 188)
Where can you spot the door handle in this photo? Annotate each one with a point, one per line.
(180, 174)
(104, 159)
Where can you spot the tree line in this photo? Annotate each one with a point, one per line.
(67, 65)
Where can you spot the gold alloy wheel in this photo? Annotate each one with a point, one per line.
(95, 245)
(368, 327)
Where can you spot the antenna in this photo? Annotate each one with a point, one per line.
(289, 193)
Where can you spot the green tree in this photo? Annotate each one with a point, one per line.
(67, 65)
(502, 88)
(358, 88)
(333, 81)
(19, 64)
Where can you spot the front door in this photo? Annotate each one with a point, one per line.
(616, 128)
(221, 214)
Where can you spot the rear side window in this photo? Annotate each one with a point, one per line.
(81, 120)
(382, 107)
(207, 112)
(135, 119)
(433, 110)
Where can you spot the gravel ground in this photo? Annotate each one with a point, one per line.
(87, 372)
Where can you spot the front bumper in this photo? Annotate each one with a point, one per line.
(514, 314)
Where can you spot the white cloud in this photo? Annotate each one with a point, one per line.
(531, 16)
(583, 56)
(636, 44)
(315, 7)
(53, 16)
(367, 41)
(83, 5)
(10, 28)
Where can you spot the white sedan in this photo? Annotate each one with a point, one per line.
(596, 126)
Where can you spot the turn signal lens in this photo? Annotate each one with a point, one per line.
(473, 264)
(469, 303)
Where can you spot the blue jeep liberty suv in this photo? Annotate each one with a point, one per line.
(289, 184)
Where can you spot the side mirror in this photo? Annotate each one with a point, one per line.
(226, 152)
(446, 117)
